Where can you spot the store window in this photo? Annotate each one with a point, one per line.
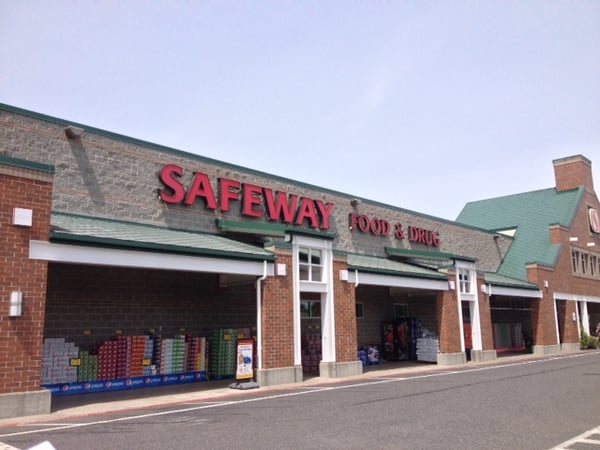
(575, 260)
(464, 280)
(400, 311)
(585, 263)
(310, 309)
(310, 264)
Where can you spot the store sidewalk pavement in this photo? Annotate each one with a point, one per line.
(82, 405)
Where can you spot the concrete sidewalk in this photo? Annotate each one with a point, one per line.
(219, 390)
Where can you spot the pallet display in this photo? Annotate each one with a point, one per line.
(57, 361)
(224, 351)
(428, 348)
(124, 362)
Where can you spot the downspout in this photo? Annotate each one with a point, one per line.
(259, 315)
(356, 278)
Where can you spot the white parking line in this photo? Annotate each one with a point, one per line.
(304, 391)
(581, 439)
(4, 446)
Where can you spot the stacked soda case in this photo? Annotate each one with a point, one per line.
(428, 348)
(130, 356)
(173, 357)
(149, 368)
(88, 368)
(157, 351)
(311, 353)
(107, 360)
(56, 361)
(180, 354)
(133, 353)
(223, 350)
(124, 347)
(197, 354)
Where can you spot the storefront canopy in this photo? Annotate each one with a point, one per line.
(89, 240)
(384, 272)
(501, 285)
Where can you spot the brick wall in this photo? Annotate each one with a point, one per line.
(102, 300)
(21, 337)
(345, 317)
(112, 176)
(561, 278)
(447, 317)
(572, 172)
(278, 318)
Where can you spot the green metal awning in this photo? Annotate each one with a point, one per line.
(388, 267)
(93, 231)
(500, 280)
(424, 254)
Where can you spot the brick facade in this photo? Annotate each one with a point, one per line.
(447, 317)
(278, 318)
(345, 317)
(112, 176)
(572, 172)
(102, 300)
(21, 338)
(102, 175)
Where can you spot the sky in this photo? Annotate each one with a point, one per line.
(425, 105)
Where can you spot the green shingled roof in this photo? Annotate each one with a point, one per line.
(498, 280)
(388, 267)
(530, 214)
(105, 232)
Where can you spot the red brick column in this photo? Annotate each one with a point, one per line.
(21, 338)
(278, 318)
(543, 320)
(448, 321)
(570, 333)
(346, 345)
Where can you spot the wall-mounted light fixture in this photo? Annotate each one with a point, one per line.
(15, 307)
(73, 132)
(355, 202)
(281, 270)
(574, 317)
(22, 217)
(451, 285)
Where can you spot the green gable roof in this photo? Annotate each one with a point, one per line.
(530, 214)
(104, 232)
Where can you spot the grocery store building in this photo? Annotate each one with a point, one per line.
(128, 264)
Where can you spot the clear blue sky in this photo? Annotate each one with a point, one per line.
(424, 105)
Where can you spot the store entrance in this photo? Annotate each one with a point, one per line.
(511, 324)
(110, 328)
(396, 326)
(593, 310)
(310, 317)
